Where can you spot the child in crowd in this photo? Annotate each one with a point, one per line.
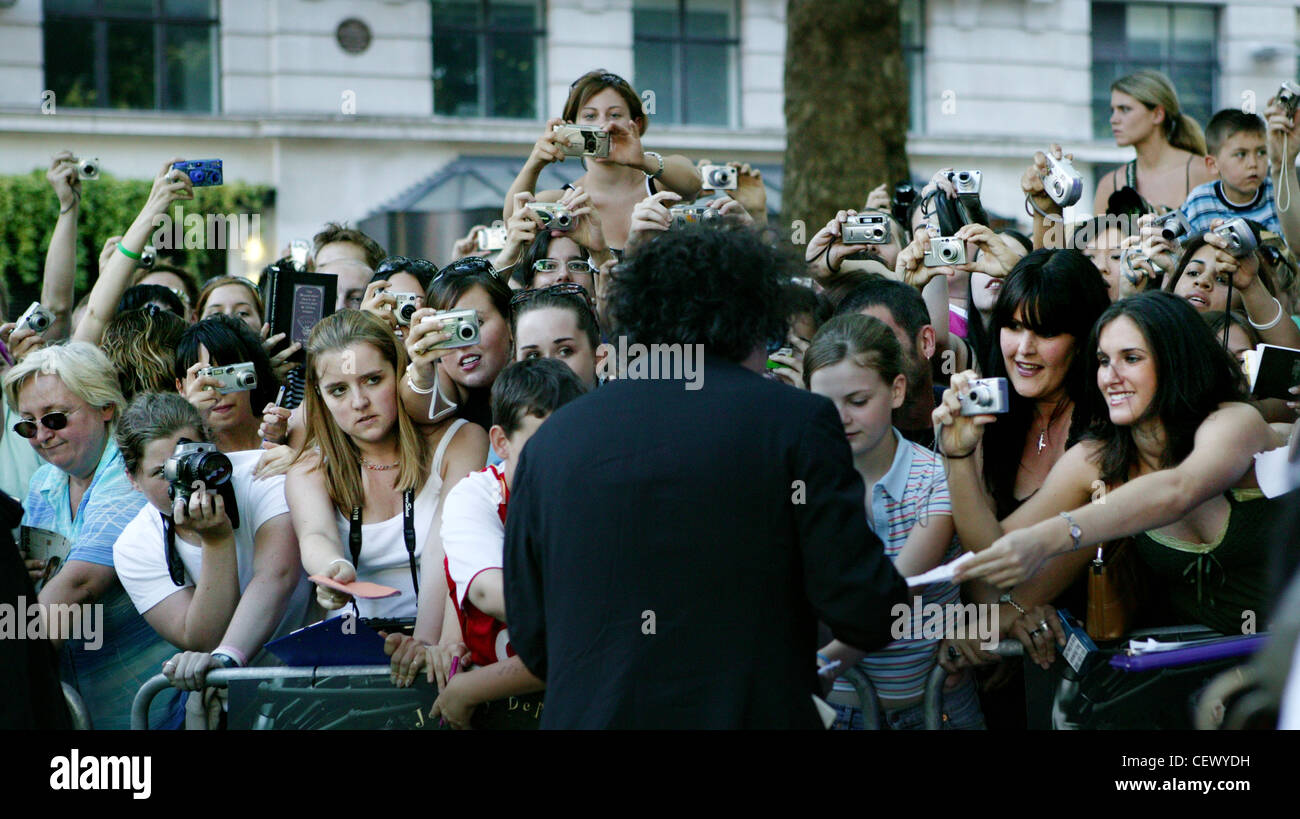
(473, 539)
(1239, 154)
(856, 362)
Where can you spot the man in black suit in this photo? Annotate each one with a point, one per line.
(672, 542)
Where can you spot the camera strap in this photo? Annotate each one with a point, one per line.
(175, 568)
(408, 535)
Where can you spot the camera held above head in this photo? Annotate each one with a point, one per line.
(966, 183)
(683, 215)
(552, 215)
(583, 140)
(1288, 96)
(1173, 226)
(866, 229)
(719, 177)
(945, 251)
(1064, 185)
(35, 318)
(87, 168)
(1241, 239)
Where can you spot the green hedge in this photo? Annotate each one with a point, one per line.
(29, 209)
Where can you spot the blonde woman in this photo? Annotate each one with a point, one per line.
(382, 476)
(1146, 114)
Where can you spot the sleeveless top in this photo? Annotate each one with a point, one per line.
(1215, 583)
(1131, 181)
(383, 551)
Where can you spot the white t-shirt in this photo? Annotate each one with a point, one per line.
(139, 555)
(473, 534)
(383, 549)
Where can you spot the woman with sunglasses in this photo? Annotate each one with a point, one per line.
(619, 181)
(557, 322)
(68, 399)
(444, 381)
(382, 476)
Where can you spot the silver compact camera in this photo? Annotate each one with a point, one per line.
(462, 324)
(719, 177)
(683, 215)
(148, 257)
(553, 215)
(866, 229)
(967, 183)
(1064, 185)
(1173, 226)
(945, 251)
(234, 378)
(36, 318)
(1288, 96)
(1241, 240)
(490, 238)
(88, 168)
(987, 396)
(583, 140)
(405, 307)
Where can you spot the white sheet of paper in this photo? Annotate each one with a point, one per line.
(939, 574)
(1150, 646)
(1275, 474)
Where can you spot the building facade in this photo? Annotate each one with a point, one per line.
(346, 107)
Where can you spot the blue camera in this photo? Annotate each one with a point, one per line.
(202, 172)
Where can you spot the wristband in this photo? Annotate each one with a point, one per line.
(410, 382)
(237, 657)
(1272, 323)
(128, 253)
(339, 560)
(823, 658)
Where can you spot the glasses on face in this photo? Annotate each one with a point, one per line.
(575, 266)
(53, 421)
(404, 264)
(468, 266)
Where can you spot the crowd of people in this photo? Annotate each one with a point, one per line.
(629, 553)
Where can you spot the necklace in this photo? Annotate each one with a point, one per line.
(1042, 440)
(379, 467)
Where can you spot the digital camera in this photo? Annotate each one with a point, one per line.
(195, 465)
(1288, 96)
(148, 257)
(901, 203)
(36, 317)
(719, 177)
(583, 140)
(1173, 226)
(1064, 185)
(683, 215)
(88, 168)
(967, 183)
(203, 173)
(553, 215)
(987, 396)
(234, 378)
(406, 306)
(1241, 239)
(866, 229)
(490, 238)
(462, 324)
(944, 251)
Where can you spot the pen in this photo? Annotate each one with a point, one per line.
(828, 668)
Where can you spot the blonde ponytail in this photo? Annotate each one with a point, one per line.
(1152, 88)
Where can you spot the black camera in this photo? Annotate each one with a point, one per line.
(901, 204)
(194, 466)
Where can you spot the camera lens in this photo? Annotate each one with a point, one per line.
(947, 253)
(466, 332)
(407, 311)
(982, 396)
(247, 380)
(563, 220)
(964, 177)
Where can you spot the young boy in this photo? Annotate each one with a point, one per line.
(1239, 154)
(473, 539)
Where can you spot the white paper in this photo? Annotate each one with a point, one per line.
(939, 574)
(1275, 474)
(1151, 646)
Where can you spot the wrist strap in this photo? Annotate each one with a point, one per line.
(76, 200)
(410, 382)
(130, 254)
(233, 653)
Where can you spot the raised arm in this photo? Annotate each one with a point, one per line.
(1281, 157)
(61, 257)
(546, 150)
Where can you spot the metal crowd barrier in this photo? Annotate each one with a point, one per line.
(222, 677)
(866, 698)
(77, 709)
(934, 685)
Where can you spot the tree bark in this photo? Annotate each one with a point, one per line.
(846, 107)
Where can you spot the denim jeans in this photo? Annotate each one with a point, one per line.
(960, 712)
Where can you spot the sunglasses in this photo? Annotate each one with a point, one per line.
(611, 79)
(468, 266)
(53, 421)
(574, 266)
(404, 264)
(561, 289)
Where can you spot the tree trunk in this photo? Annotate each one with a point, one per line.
(846, 107)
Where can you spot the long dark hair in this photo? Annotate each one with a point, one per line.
(1057, 292)
(1194, 375)
(978, 336)
(228, 341)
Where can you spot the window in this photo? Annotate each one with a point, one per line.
(685, 52)
(1179, 40)
(135, 54)
(487, 58)
(912, 18)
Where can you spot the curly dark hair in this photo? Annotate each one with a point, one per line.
(702, 285)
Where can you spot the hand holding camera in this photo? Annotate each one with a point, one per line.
(910, 266)
(1235, 245)
(201, 390)
(993, 256)
(651, 214)
(1283, 130)
(1033, 181)
(169, 186)
(380, 302)
(549, 146)
(21, 341)
(586, 229)
(731, 212)
(425, 345)
(204, 513)
(280, 363)
(65, 180)
(970, 403)
(198, 476)
(625, 145)
(826, 250)
(879, 199)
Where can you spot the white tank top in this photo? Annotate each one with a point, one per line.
(383, 550)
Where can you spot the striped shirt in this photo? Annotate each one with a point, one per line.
(914, 490)
(1206, 203)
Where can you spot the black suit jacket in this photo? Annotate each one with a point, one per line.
(669, 551)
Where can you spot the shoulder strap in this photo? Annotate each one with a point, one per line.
(1187, 172)
(1131, 174)
(443, 444)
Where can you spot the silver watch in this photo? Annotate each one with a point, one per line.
(660, 159)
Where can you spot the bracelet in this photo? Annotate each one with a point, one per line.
(659, 157)
(823, 658)
(1029, 203)
(1007, 598)
(1272, 323)
(233, 653)
(410, 382)
(340, 560)
(128, 253)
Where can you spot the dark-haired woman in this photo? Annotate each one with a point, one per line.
(215, 582)
(1174, 452)
(557, 322)
(442, 382)
(540, 257)
(616, 182)
(219, 341)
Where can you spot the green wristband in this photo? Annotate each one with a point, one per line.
(127, 253)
